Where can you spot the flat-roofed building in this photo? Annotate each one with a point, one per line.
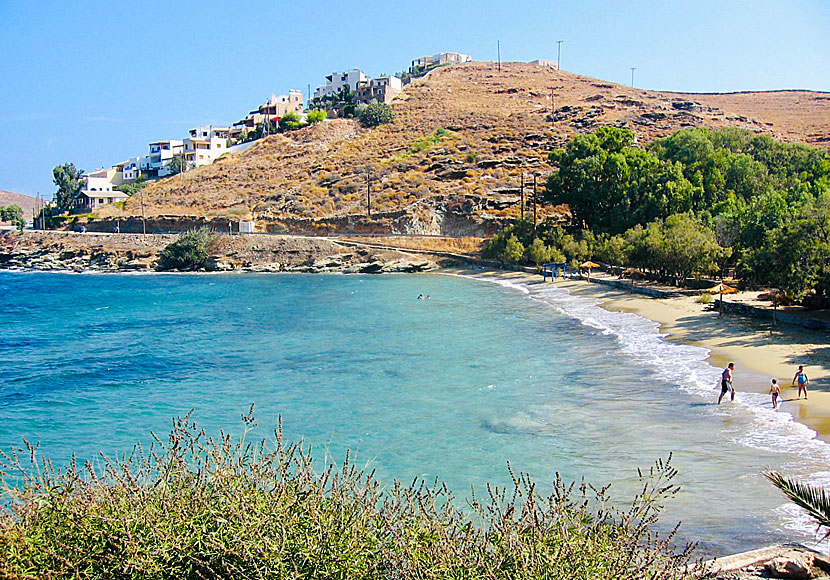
(378, 90)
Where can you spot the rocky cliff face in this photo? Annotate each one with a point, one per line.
(254, 253)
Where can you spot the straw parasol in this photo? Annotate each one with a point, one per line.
(722, 289)
(589, 264)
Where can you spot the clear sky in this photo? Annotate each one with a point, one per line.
(93, 82)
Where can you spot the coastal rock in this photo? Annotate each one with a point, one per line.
(794, 567)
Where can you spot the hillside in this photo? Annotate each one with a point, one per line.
(24, 202)
(453, 161)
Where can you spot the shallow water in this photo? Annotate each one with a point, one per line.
(452, 387)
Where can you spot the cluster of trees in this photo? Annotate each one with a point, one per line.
(14, 214)
(697, 202)
(673, 249)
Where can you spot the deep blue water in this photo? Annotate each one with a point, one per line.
(452, 387)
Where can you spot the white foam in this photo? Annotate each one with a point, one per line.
(686, 367)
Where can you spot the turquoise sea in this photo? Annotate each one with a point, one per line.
(453, 387)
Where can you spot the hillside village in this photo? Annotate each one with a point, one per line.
(205, 144)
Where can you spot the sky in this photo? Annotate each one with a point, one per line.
(94, 82)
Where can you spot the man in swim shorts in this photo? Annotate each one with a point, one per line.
(726, 382)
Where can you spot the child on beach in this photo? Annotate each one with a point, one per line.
(802, 379)
(774, 390)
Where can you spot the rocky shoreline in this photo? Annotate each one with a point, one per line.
(99, 252)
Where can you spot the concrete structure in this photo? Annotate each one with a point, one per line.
(543, 62)
(337, 82)
(204, 151)
(90, 200)
(209, 131)
(246, 227)
(379, 90)
(275, 107)
(428, 62)
(161, 154)
(130, 169)
(100, 189)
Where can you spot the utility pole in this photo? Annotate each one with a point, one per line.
(368, 192)
(498, 51)
(143, 215)
(633, 68)
(534, 202)
(552, 102)
(523, 195)
(558, 55)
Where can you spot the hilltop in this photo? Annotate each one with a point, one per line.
(24, 202)
(453, 161)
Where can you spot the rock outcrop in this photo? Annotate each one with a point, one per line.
(68, 251)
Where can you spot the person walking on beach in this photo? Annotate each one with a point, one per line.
(803, 381)
(726, 382)
(774, 390)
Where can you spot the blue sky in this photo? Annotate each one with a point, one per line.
(93, 82)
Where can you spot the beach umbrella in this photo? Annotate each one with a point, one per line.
(776, 297)
(589, 264)
(722, 289)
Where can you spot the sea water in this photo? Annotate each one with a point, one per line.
(454, 386)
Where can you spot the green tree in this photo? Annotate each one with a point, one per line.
(189, 252)
(537, 252)
(132, 188)
(70, 181)
(291, 121)
(316, 116)
(178, 165)
(377, 114)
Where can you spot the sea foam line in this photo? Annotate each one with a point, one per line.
(687, 367)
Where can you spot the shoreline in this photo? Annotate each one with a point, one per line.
(758, 354)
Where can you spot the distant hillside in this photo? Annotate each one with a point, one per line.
(26, 203)
(453, 161)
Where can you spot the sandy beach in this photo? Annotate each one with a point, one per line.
(759, 355)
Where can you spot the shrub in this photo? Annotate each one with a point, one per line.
(290, 121)
(197, 507)
(316, 116)
(704, 298)
(377, 114)
(190, 252)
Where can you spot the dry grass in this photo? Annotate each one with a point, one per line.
(498, 126)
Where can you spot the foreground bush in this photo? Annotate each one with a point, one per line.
(377, 114)
(190, 252)
(196, 507)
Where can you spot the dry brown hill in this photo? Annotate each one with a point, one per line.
(24, 202)
(453, 161)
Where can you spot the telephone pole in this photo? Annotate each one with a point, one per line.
(498, 52)
(523, 195)
(534, 202)
(633, 68)
(558, 55)
(368, 193)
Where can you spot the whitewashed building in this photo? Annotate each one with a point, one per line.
(337, 82)
(442, 58)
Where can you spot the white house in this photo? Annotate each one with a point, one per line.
(336, 82)
(426, 62)
(100, 189)
(204, 151)
(209, 131)
(162, 153)
(130, 169)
